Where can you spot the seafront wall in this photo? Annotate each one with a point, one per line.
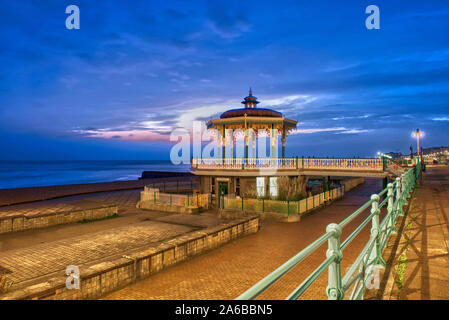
(352, 183)
(99, 279)
(20, 222)
(24, 195)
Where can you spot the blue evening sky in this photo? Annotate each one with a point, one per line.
(136, 70)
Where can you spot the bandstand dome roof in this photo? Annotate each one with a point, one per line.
(250, 112)
(252, 116)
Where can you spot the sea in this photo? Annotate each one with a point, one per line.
(20, 174)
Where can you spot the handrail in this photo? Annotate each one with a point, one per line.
(297, 163)
(369, 258)
(259, 287)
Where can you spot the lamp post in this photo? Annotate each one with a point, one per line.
(418, 134)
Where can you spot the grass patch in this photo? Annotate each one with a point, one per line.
(115, 215)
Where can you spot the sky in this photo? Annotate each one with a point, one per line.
(136, 70)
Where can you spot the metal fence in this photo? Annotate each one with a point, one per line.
(178, 185)
(183, 200)
(288, 207)
(354, 281)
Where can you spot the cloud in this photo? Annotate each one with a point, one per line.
(441, 119)
(316, 130)
(226, 21)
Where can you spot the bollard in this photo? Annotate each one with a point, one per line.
(375, 232)
(334, 288)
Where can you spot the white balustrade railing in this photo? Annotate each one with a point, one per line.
(289, 163)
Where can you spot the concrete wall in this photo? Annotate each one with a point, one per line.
(102, 278)
(165, 207)
(270, 216)
(352, 183)
(21, 222)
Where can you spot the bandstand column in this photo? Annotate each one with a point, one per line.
(253, 140)
(273, 142)
(232, 145)
(219, 143)
(246, 145)
(224, 143)
(283, 142)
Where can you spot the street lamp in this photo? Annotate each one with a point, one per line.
(418, 134)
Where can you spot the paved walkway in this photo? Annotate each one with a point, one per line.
(228, 271)
(29, 255)
(424, 244)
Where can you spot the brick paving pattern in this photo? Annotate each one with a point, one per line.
(45, 259)
(228, 271)
(31, 254)
(426, 241)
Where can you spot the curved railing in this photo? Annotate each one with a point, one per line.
(394, 198)
(289, 163)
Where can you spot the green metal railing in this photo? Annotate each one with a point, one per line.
(288, 207)
(395, 197)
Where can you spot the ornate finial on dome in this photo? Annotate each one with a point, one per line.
(250, 101)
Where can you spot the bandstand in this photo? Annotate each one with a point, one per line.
(252, 174)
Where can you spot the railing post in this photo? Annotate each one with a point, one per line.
(334, 288)
(399, 211)
(390, 209)
(375, 232)
(404, 191)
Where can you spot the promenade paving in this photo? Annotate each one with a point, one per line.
(30, 255)
(228, 271)
(424, 245)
